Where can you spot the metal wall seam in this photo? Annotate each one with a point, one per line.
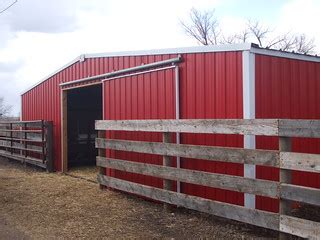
(248, 71)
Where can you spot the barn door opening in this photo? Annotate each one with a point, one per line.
(82, 106)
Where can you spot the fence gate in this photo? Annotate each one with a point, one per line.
(27, 141)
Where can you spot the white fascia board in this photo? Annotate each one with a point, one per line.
(198, 49)
(282, 54)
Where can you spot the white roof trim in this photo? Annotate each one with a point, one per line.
(277, 53)
(198, 49)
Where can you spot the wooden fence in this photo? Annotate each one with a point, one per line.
(283, 159)
(27, 141)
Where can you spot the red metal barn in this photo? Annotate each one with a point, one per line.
(227, 81)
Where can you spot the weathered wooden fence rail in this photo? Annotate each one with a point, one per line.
(27, 141)
(282, 159)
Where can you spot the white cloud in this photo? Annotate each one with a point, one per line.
(39, 36)
(231, 25)
(301, 16)
(41, 16)
(44, 35)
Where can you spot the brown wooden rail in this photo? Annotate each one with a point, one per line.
(282, 159)
(27, 141)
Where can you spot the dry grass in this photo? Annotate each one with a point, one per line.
(38, 205)
(87, 172)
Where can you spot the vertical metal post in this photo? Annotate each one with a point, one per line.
(249, 112)
(167, 184)
(102, 153)
(285, 145)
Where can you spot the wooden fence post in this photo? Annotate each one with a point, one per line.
(102, 153)
(11, 136)
(285, 145)
(42, 142)
(25, 137)
(167, 162)
(49, 147)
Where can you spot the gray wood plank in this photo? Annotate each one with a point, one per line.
(300, 227)
(268, 127)
(32, 124)
(301, 194)
(299, 128)
(34, 161)
(21, 140)
(167, 161)
(30, 136)
(234, 212)
(220, 154)
(234, 183)
(16, 145)
(300, 161)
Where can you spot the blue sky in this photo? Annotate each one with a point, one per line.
(39, 36)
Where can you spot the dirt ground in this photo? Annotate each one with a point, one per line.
(39, 205)
(87, 173)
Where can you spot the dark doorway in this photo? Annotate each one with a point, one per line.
(84, 106)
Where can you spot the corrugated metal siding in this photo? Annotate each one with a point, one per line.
(144, 96)
(44, 101)
(287, 88)
(211, 87)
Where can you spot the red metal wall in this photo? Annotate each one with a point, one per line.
(44, 100)
(211, 87)
(287, 88)
(143, 96)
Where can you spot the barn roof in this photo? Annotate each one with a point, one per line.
(198, 49)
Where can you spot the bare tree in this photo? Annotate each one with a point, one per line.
(243, 36)
(258, 31)
(304, 45)
(4, 108)
(204, 27)
(287, 42)
(240, 37)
